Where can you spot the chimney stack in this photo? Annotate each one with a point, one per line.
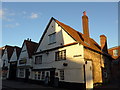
(103, 42)
(85, 24)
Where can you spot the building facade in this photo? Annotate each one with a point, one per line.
(13, 63)
(24, 64)
(65, 56)
(7, 53)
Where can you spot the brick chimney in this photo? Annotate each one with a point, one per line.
(85, 24)
(103, 42)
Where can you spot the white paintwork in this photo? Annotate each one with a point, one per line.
(61, 37)
(24, 55)
(88, 75)
(74, 70)
(5, 57)
(14, 56)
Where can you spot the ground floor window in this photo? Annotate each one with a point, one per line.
(21, 72)
(61, 74)
(39, 75)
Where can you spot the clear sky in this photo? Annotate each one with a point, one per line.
(29, 20)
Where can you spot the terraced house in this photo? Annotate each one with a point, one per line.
(24, 64)
(13, 63)
(65, 56)
(6, 55)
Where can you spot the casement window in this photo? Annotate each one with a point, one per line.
(60, 55)
(21, 72)
(52, 38)
(39, 75)
(61, 74)
(38, 59)
(115, 52)
(23, 61)
(43, 75)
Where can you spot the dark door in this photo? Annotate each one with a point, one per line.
(27, 73)
(12, 71)
(52, 77)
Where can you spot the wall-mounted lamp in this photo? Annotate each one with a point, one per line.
(65, 64)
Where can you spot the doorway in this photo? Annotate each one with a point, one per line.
(88, 75)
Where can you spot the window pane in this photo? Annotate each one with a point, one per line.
(62, 74)
(52, 38)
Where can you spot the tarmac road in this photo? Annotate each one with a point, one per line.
(17, 85)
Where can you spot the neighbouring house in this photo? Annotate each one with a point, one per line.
(115, 53)
(7, 53)
(13, 63)
(24, 64)
(67, 57)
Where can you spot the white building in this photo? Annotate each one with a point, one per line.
(24, 63)
(67, 56)
(8, 50)
(13, 63)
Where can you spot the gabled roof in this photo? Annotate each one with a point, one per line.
(18, 50)
(31, 47)
(77, 36)
(10, 50)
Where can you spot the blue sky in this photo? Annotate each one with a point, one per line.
(29, 20)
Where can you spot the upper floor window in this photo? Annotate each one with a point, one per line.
(23, 61)
(38, 59)
(115, 52)
(52, 38)
(60, 55)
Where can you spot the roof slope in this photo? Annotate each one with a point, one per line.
(31, 47)
(18, 50)
(79, 37)
(10, 50)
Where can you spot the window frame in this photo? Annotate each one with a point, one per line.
(52, 38)
(62, 74)
(60, 55)
(21, 72)
(38, 61)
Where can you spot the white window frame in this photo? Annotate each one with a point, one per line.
(21, 72)
(62, 74)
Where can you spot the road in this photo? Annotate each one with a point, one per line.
(17, 85)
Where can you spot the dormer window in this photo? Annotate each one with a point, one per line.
(115, 52)
(52, 38)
